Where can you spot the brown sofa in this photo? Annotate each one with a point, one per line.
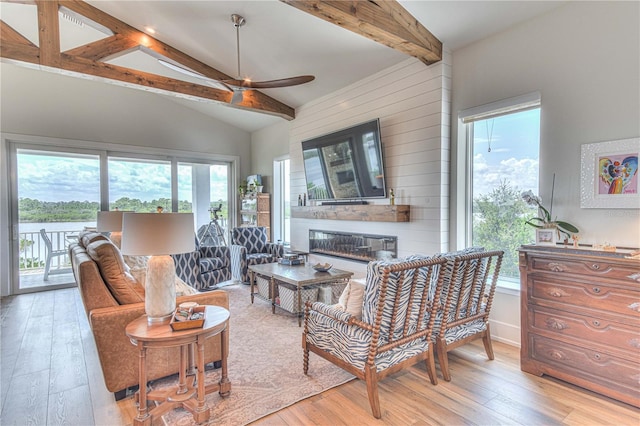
(108, 319)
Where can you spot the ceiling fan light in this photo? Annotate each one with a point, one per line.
(237, 97)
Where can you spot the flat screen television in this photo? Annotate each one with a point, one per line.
(345, 165)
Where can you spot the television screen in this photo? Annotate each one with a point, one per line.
(346, 164)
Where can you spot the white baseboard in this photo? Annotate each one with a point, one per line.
(505, 333)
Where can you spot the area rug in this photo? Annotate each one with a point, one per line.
(264, 364)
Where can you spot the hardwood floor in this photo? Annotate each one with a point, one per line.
(51, 376)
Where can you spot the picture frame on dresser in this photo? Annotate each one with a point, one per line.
(609, 174)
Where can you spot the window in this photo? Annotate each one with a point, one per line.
(59, 187)
(281, 201)
(503, 148)
(139, 185)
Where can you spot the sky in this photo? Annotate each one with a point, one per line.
(514, 154)
(62, 177)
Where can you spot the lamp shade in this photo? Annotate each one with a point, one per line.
(149, 234)
(110, 221)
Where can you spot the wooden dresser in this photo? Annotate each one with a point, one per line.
(580, 318)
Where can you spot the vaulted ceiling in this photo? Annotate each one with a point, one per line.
(122, 40)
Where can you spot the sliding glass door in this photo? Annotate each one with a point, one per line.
(203, 189)
(57, 195)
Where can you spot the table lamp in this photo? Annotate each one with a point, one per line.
(111, 221)
(158, 236)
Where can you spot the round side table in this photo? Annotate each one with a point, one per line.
(185, 394)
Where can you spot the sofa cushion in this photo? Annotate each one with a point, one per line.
(115, 272)
(208, 264)
(87, 237)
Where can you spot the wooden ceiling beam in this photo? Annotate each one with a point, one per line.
(86, 60)
(105, 48)
(384, 21)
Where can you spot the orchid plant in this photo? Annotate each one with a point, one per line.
(544, 217)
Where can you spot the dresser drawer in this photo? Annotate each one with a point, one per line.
(616, 338)
(592, 369)
(594, 296)
(597, 268)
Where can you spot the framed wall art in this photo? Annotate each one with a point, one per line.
(609, 175)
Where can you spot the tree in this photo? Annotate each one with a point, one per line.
(499, 224)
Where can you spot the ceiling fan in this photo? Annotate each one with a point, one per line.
(240, 84)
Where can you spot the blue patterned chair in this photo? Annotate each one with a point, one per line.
(467, 294)
(205, 267)
(249, 246)
(398, 316)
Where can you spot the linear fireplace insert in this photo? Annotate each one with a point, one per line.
(353, 246)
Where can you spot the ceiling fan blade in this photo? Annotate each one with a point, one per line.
(269, 84)
(186, 71)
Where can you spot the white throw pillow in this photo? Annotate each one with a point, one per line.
(352, 297)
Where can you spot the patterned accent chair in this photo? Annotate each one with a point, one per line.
(467, 295)
(398, 316)
(205, 267)
(249, 246)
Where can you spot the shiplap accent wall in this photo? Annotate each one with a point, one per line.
(412, 101)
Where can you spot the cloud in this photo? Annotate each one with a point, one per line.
(53, 178)
(520, 173)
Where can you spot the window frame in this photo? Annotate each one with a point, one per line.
(466, 118)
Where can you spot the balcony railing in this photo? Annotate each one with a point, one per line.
(33, 250)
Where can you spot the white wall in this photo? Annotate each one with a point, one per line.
(48, 105)
(584, 59)
(411, 101)
(266, 145)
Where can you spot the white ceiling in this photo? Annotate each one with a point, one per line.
(280, 41)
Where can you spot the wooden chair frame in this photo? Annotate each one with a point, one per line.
(419, 304)
(469, 298)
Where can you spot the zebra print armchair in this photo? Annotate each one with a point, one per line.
(466, 296)
(398, 317)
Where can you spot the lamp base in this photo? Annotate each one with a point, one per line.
(160, 292)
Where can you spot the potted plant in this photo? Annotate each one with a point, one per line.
(544, 223)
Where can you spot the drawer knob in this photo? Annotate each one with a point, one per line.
(596, 323)
(596, 289)
(635, 343)
(635, 277)
(635, 306)
(557, 354)
(597, 356)
(595, 266)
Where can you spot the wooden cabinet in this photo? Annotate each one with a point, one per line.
(255, 210)
(580, 318)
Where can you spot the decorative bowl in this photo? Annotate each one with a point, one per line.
(322, 267)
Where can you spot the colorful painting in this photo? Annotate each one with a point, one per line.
(609, 174)
(618, 174)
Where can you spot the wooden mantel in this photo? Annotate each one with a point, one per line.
(367, 212)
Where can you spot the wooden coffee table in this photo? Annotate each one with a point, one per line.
(186, 394)
(297, 275)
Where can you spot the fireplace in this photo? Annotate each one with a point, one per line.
(353, 246)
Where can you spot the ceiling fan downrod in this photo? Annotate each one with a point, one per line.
(238, 21)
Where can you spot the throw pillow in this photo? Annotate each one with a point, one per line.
(87, 237)
(352, 297)
(115, 272)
